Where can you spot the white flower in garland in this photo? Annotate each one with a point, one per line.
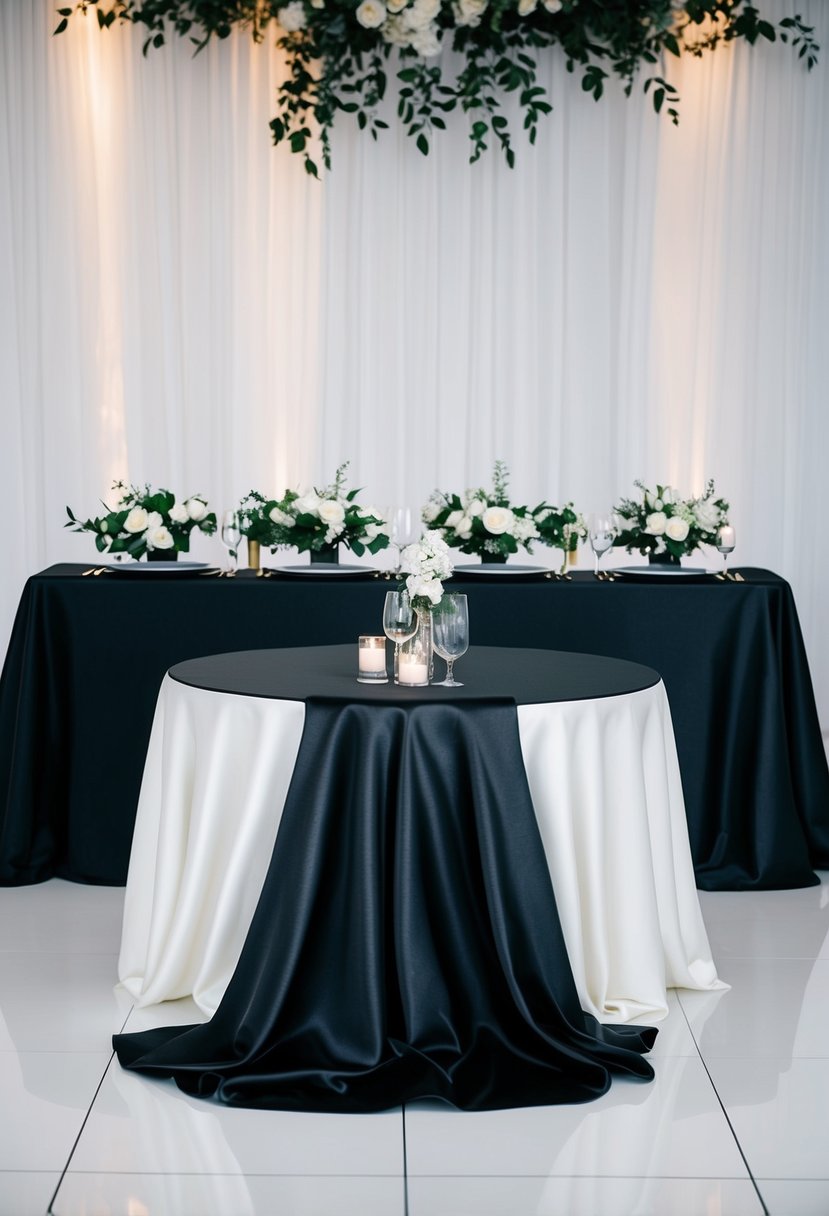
(136, 521)
(371, 14)
(498, 520)
(292, 17)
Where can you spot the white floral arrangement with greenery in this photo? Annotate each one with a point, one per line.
(339, 51)
(147, 521)
(320, 519)
(482, 522)
(426, 563)
(667, 527)
(560, 527)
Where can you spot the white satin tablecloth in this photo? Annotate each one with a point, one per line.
(606, 788)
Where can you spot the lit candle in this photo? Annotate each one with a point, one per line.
(371, 666)
(412, 670)
(727, 538)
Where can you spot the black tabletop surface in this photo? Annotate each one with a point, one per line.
(526, 676)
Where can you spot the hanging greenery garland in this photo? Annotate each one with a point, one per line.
(338, 54)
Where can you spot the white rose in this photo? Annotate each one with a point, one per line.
(525, 7)
(317, 3)
(676, 528)
(371, 14)
(426, 42)
(453, 519)
(552, 6)
(278, 516)
(463, 528)
(292, 17)
(154, 520)
(395, 6)
(670, 495)
(136, 521)
(430, 512)
(421, 14)
(497, 520)
(160, 538)
(469, 12)
(196, 509)
(307, 504)
(655, 523)
(395, 32)
(179, 513)
(476, 507)
(331, 512)
(707, 515)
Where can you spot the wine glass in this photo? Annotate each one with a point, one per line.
(231, 538)
(405, 529)
(399, 622)
(602, 535)
(450, 634)
(726, 543)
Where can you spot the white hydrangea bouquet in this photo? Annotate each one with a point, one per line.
(426, 563)
(482, 522)
(320, 520)
(147, 521)
(665, 527)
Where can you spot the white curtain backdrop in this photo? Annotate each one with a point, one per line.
(180, 304)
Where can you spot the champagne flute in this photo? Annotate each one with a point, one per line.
(450, 634)
(231, 538)
(726, 543)
(399, 622)
(602, 535)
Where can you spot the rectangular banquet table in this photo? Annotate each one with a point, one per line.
(87, 656)
(352, 880)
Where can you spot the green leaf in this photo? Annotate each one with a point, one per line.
(422, 144)
(61, 26)
(658, 98)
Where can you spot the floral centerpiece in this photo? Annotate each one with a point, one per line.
(147, 521)
(426, 563)
(666, 527)
(319, 521)
(256, 524)
(482, 522)
(560, 528)
(339, 54)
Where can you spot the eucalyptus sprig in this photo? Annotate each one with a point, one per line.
(338, 54)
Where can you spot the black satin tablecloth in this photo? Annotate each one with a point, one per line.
(87, 656)
(395, 951)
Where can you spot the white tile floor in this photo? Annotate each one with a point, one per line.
(736, 1121)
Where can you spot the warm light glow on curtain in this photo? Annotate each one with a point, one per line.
(180, 304)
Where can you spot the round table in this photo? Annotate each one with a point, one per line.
(598, 751)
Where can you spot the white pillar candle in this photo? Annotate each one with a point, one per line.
(727, 537)
(371, 663)
(412, 671)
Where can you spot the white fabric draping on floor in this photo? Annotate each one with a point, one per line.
(605, 784)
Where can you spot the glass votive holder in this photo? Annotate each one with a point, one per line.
(371, 660)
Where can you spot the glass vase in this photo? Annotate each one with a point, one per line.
(416, 661)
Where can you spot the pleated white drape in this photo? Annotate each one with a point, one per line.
(180, 304)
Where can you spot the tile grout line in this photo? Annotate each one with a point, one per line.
(85, 1120)
(723, 1109)
(405, 1164)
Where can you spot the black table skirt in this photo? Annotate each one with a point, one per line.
(87, 656)
(394, 953)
